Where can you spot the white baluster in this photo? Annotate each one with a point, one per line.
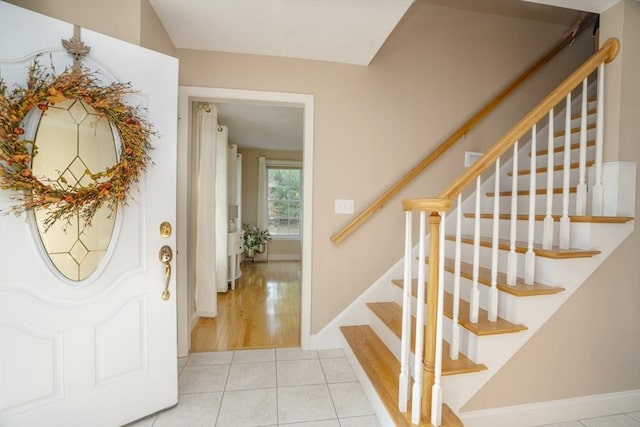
(436, 389)
(454, 348)
(493, 296)
(512, 265)
(474, 303)
(404, 383)
(581, 195)
(420, 315)
(547, 232)
(565, 223)
(596, 201)
(530, 257)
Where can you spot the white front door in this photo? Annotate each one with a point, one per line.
(100, 351)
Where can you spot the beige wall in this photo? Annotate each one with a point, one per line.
(133, 21)
(278, 249)
(116, 18)
(374, 123)
(592, 344)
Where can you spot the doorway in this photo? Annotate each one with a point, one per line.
(187, 96)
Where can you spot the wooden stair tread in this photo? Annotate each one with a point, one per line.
(539, 191)
(382, 369)
(574, 130)
(577, 115)
(521, 247)
(574, 218)
(520, 289)
(483, 327)
(575, 165)
(560, 148)
(391, 315)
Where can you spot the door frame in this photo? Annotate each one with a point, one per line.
(187, 95)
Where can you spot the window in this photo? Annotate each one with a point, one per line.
(283, 201)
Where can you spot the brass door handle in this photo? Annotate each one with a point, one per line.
(166, 255)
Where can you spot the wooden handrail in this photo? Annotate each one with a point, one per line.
(452, 139)
(607, 54)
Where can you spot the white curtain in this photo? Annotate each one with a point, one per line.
(262, 218)
(206, 293)
(221, 216)
(212, 212)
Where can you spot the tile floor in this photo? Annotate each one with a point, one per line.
(631, 419)
(285, 387)
(276, 387)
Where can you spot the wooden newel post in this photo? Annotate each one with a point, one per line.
(432, 315)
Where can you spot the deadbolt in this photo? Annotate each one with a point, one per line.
(165, 229)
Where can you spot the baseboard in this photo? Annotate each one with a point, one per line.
(193, 320)
(554, 411)
(284, 257)
(356, 313)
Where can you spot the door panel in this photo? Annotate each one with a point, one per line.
(100, 351)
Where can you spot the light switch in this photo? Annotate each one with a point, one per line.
(344, 206)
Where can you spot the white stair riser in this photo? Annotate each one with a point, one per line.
(385, 334)
(540, 204)
(524, 181)
(485, 256)
(580, 237)
(558, 156)
(591, 118)
(469, 343)
(559, 140)
(508, 305)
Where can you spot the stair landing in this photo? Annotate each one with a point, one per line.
(382, 369)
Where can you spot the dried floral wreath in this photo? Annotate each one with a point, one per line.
(111, 186)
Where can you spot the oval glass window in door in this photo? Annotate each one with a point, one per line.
(73, 142)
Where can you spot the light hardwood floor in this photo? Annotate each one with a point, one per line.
(262, 312)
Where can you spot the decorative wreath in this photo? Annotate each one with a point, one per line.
(63, 201)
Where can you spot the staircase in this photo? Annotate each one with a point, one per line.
(504, 259)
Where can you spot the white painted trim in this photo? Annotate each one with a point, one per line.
(357, 312)
(275, 163)
(554, 411)
(186, 96)
(284, 257)
(192, 321)
(619, 182)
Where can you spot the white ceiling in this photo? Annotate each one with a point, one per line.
(262, 126)
(347, 31)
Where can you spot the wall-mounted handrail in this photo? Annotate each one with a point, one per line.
(452, 139)
(606, 54)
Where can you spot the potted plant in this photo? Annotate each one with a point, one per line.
(255, 240)
(263, 237)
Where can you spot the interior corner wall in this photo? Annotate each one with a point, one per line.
(372, 124)
(591, 346)
(152, 33)
(278, 249)
(134, 21)
(116, 18)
